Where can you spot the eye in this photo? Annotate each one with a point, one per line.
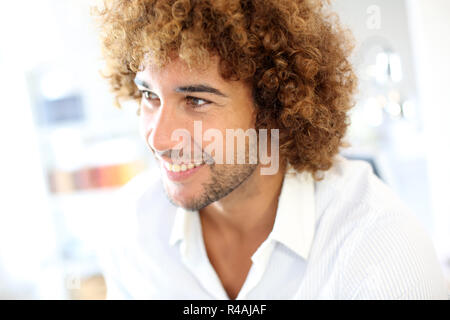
(150, 99)
(196, 102)
(149, 95)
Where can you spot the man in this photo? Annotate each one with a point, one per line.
(294, 220)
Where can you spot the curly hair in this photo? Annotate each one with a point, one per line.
(293, 53)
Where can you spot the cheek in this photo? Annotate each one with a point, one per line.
(145, 124)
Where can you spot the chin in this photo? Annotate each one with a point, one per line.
(181, 195)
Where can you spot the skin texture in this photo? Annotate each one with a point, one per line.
(237, 204)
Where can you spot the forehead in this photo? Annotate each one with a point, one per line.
(178, 73)
(177, 68)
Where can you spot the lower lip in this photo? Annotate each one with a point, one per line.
(181, 175)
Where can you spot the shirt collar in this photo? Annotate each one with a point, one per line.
(180, 225)
(295, 220)
(294, 223)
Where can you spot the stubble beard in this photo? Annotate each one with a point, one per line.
(224, 179)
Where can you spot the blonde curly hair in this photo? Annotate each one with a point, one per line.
(293, 53)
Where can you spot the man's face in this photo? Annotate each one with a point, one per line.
(174, 97)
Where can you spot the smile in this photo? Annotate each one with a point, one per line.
(180, 168)
(181, 172)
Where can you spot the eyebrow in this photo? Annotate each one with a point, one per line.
(141, 83)
(189, 88)
(200, 88)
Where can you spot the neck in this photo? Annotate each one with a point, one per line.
(251, 208)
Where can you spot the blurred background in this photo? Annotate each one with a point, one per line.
(65, 148)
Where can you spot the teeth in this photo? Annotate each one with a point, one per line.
(183, 167)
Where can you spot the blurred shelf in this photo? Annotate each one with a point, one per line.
(90, 288)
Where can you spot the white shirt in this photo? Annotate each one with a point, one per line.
(344, 237)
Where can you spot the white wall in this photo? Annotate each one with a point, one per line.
(28, 246)
(391, 30)
(40, 35)
(430, 31)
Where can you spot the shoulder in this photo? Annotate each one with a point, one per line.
(350, 197)
(140, 204)
(126, 201)
(382, 250)
(139, 220)
(391, 258)
(356, 178)
(350, 190)
(121, 211)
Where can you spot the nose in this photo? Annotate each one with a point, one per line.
(160, 126)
